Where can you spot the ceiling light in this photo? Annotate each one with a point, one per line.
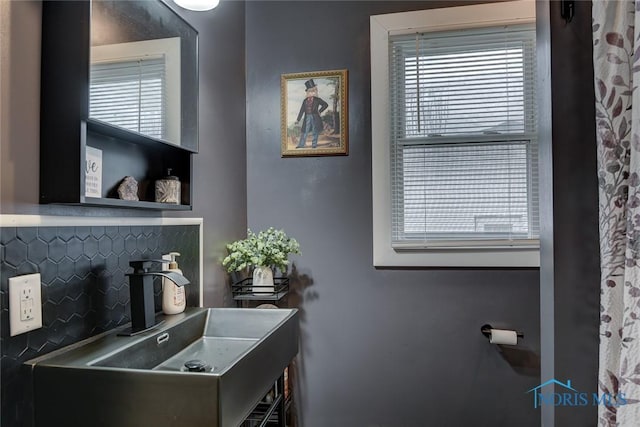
(197, 5)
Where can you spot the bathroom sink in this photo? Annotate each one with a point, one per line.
(235, 356)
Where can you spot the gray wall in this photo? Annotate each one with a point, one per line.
(379, 347)
(219, 169)
(575, 260)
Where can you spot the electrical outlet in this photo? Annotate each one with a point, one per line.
(25, 303)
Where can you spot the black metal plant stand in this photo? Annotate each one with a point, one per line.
(245, 291)
(271, 411)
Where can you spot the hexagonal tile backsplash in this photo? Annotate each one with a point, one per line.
(84, 288)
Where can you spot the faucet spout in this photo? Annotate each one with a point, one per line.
(143, 314)
(176, 278)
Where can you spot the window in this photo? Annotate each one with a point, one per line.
(457, 151)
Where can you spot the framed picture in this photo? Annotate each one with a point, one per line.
(314, 120)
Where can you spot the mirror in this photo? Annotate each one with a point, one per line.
(144, 71)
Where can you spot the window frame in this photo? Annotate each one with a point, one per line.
(431, 20)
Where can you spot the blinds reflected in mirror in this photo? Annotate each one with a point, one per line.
(130, 94)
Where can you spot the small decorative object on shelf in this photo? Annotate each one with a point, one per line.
(128, 189)
(93, 173)
(168, 189)
(263, 252)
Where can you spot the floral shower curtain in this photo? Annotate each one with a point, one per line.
(616, 68)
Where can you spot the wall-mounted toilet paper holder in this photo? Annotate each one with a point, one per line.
(486, 331)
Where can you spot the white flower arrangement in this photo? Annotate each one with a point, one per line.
(270, 248)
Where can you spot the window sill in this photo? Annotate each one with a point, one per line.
(457, 257)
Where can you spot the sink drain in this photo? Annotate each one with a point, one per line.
(197, 365)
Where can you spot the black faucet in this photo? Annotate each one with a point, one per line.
(143, 313)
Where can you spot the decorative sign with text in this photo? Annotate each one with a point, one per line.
(93, 173)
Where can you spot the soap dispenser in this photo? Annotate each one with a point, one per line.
(173, 297)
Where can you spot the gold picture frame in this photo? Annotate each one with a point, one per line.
(314, 114)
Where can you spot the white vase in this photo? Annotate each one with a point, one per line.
(263, 280)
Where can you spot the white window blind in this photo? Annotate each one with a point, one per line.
(463, 138)
(131, 94)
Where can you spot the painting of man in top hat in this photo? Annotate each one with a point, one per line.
(314, 113)
(311, 108)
